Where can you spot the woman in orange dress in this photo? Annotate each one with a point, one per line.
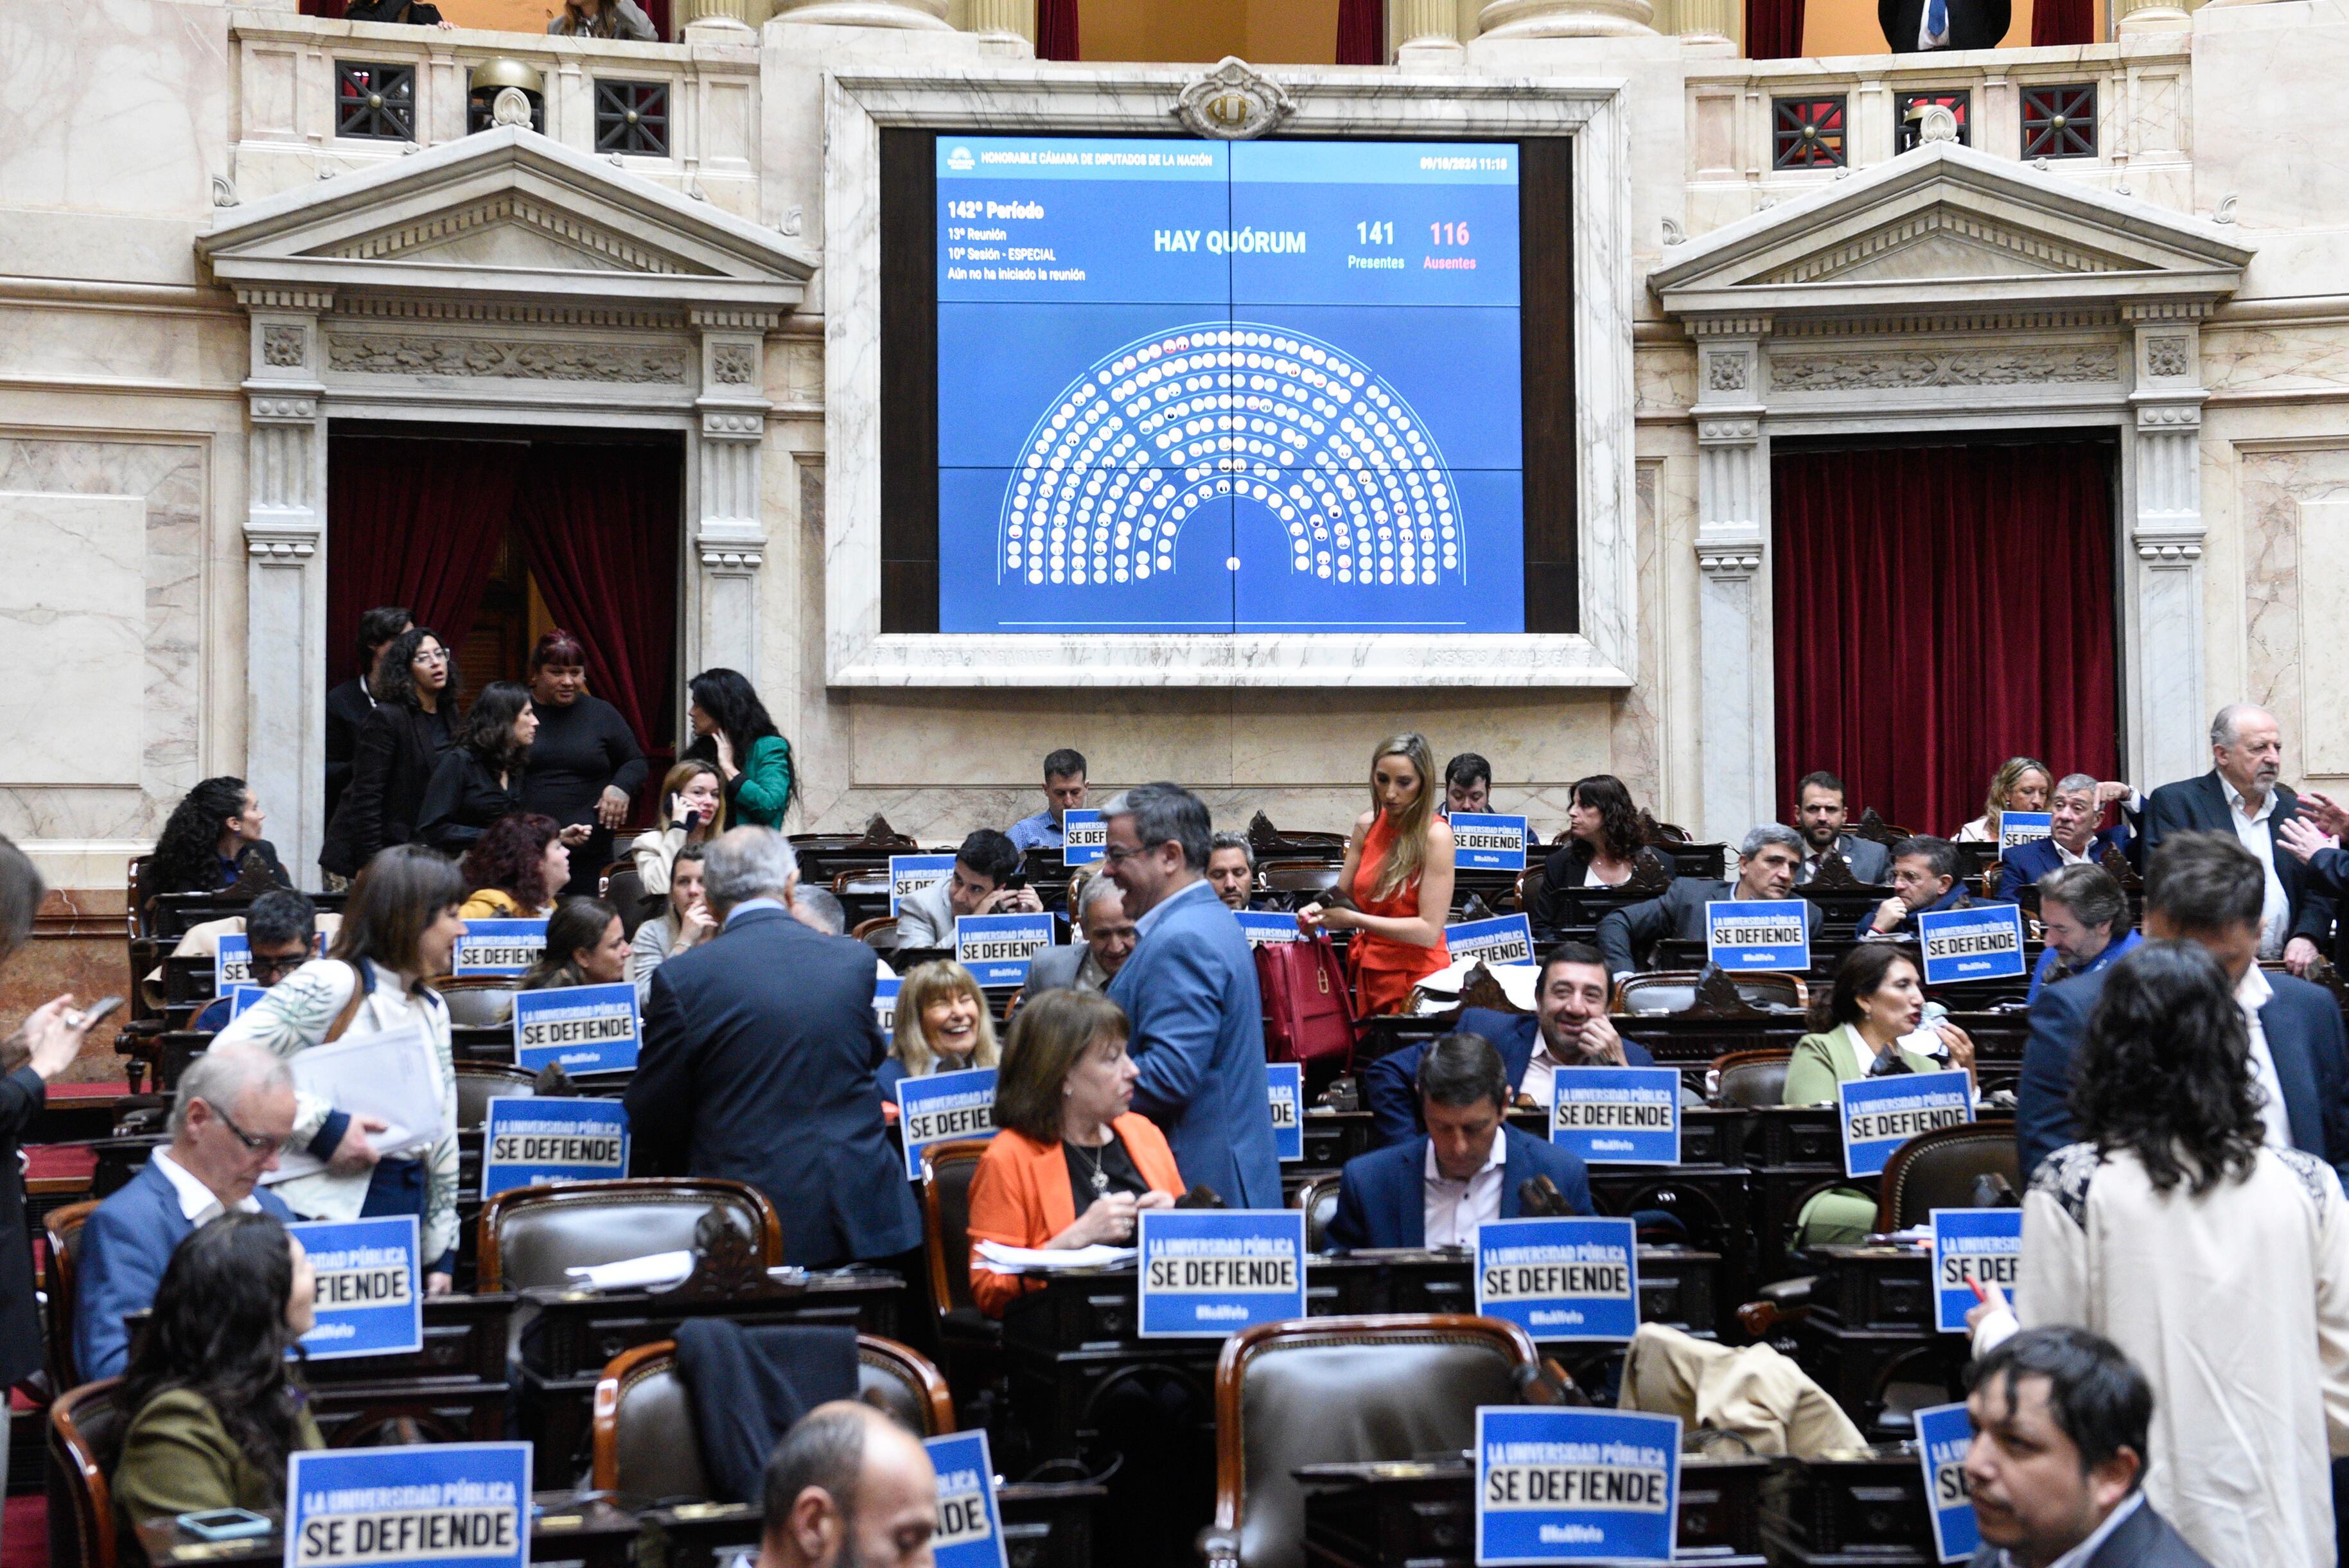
(1395, 893)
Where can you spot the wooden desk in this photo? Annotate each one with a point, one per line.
(1865, 1508)
(1872, 1324)
(569, 1528)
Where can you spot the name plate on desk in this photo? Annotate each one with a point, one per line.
(528, 1141)
(1576, 1486)
(1262, 925)
(996, 947)
(1616, 1115)
(1880, 1114)
(500, 947)
(1944, 1436)
(1982, 943)
(1210, 1272)
(943, 1107)
(2016, 828)
(884, 1004)
(579, 1028)
(1504, 939)
(1285, 1083)
(1084, 837)
(1984, 1244)
(909, 874)
(1560, 1278)
(1484, 843)
(370, 1289)
(1758, 935)
(465, 1505)
(970, 1523)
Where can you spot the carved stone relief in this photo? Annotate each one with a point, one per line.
(1889, 369)
(2165, 355)
(283, 347)
(384, 353)
(1725, 373)
(733, 364)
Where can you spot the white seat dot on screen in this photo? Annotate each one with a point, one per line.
(1231, 562)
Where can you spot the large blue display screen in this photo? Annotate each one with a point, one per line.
(1208, 387)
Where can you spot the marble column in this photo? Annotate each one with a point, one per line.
(2150, 16)
(1566, 18)
(1427, 35)
(1005, 27)
(928, 14)
(1733, 631)
(285, 568)
(729, 540)
(2166, 534)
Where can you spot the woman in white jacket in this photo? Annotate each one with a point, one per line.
(400, 931)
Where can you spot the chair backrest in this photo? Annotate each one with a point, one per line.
(1662, 992)
(1319, 1198)
(948, 1170)
(1300, 875)
(647, 1444)
(479, 1083)
(1334, 1390)
(1751, 1078)
(623, 889)
(879, 933)
(63, 1226)
(530, 1235)
(86, 1427)
(478, 1000)
(1937, 1171)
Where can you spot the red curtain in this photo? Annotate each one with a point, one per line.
(1938, 611)
(1773, 29)
(413, 522)
(1361, 32)
(2063, 23)
(1056, 29)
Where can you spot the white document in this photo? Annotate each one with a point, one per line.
(393, 1075)
(647, 1272)
(998, 1259)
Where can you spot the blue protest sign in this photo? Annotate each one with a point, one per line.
(370, 1289)
(1749, 936)
(994, 948)
(242, 997)
(1484, 843)
(970, 1526)
(943, 1107)
(1880, 1114)
(885, 1005)
(453, 1505)
(580, 1028)
(1943, 1435)
(528, 1141)
(1084, 837)
(1984, 942)
(909, 874)
(1984, 1244)
(1286, 1083)
(1576, 1486)
(232, 963)
(1560, 1278)
(1208, 1273)
(1261, 926)
(2016, 828)
(500, 947)
(1616, 1115)
(1504, 939)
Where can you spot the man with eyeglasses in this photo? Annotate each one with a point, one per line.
(282, 932)
(233, 1109)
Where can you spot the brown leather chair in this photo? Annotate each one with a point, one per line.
(63, 1226)
(1330, 1390)
(1319, 1198)
(85, 1428)
(1669, 991)
(646, 1443)
(623, 889)
(530, 1235)
(879, 933)
(478, 1000)
(479, 1083)
(948, 1170)
(1751, 1079)
(1298, 876)
(1937, 1171)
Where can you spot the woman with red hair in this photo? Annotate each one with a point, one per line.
(585, 766)
(516, 869)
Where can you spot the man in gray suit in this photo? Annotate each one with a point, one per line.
(1105, 941)
(1820, 813)
(1766, 870)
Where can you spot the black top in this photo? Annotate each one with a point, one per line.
(414, 12)
(22, 1096)
(1116, 1166)
(399, 749)
(463, 798)
(580, 750)
(347, 707)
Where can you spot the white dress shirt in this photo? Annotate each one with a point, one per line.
(197, 1201)
(1454, 1208)
(2065, 857)
(2251, 993)
(2257, 831)
(1541, 1070)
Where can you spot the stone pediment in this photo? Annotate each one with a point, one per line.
(507, 213)
(1945, 227)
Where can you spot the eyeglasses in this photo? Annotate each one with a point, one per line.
(277, 967)
(433, 656)
(1118, 853)
(251, 1143)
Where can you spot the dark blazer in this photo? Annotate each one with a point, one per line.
(1390, 1084)
(1562, 875)
(1382, 1194)
(1870, 862)
(1055, 966)
(22, 1094)
(463, 798)
(119, 1260)
(1678, 913)
(1957, 897)
(347, 707)
(2199, 805)
(1973, 24)
(399, 748)
(1190, 988)
(2301, 1022)
(760, 1051)
(2023, 866)
(2143, 1540)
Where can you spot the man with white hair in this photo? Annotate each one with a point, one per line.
(759, 1050)
(2241, 795)
(1105, 941)
(2072, 837)
(1766, 864)
(235, 1107)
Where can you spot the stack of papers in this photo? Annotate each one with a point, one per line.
(636, 1273)
(998, 1259)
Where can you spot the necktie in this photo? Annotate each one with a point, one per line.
(1937, 17)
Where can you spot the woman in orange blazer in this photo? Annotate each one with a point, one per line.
(1072, 1165)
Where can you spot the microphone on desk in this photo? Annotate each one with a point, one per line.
(1539, 1198)
(1201, 1198)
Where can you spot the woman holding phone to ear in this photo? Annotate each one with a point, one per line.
(693, 811)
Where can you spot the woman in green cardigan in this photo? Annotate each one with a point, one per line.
(215, 1409)
(732, 731)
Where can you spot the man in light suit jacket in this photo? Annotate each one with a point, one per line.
(234, 1109)
(759, 1058)
(1105, 941)
(1434, 1191)
(1765, 872)
(2204, 887)
(2074, 838)
(1820, 815)
(1190, 993)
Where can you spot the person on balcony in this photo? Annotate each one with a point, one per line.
(604, 19)
(1923, 27)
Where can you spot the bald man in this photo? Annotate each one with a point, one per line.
(849, 1488)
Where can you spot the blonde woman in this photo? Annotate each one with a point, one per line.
(1395, 892)
(693, 811)
(2021, 784)
(942, 1026)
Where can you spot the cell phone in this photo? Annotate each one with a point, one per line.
(224, 1524)
(96, 1014)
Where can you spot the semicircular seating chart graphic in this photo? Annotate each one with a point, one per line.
(1264, 415)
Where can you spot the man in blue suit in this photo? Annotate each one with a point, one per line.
(1567, 1028)
(1190, 990)
(235, 1107)
(2074, 838)
(2204, 887)
(1435, 1189)
(757, 1065)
